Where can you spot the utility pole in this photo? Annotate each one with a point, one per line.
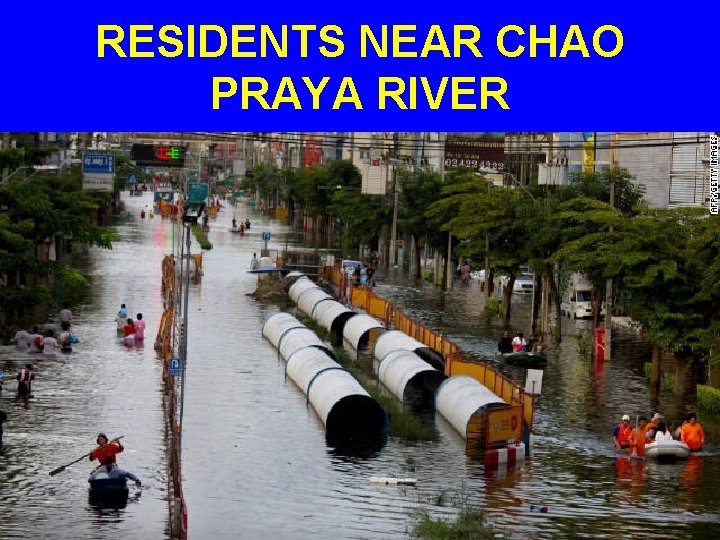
(448, 273)
(595, 152)
(183, 339)
(487, 256)
(393, 233)
(392, 256)
(609, 283)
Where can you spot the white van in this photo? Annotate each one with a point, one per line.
(576, 301)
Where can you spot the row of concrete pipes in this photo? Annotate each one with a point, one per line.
(413, 372)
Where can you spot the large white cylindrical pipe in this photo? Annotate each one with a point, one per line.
(359, 329)
(276, 326)
(349, 413)
(394, 340)
(409, 377)
(460, 399)
(310, 298)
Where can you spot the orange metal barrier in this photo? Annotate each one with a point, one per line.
(380, 308)
(432, 339)
(373, 304)
(164, 344)
(358, 296)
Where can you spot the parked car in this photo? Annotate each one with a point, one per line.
(524, 283)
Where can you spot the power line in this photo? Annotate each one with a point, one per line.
(363, 143)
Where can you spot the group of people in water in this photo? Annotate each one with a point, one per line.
(45, 343)
(242, 227)
(133, 330)
(519, 343)
(633, 440)
(42, 343)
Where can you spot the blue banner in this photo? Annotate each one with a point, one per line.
(98, 163)
(372, 66)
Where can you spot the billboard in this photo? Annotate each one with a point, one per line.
(98, 171)
(98, 163)
(159, 155)
(484, 150)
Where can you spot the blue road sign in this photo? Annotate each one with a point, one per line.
(266, 236)
(132, 178)
(197, 193)
(175, 366)
(99, 163)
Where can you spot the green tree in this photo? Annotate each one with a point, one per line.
(704, 244)
(488, 221)
(581, 211)
(417, 192)
(34, 209)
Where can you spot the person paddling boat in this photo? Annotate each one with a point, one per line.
(106, 449)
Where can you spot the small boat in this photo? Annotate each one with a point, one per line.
(236, 230)
(667, 450)
(101, 484)
(525, 359)
(107, 492)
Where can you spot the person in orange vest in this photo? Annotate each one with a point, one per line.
(638, 438)
(692, 433)
(652, 426)
(622, 434)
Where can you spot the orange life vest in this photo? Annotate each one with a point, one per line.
(623, 436)
(693, 436)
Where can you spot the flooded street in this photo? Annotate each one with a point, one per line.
(255, 462)
(100, 387)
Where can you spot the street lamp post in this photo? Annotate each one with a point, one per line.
(392, 258)
(191, 214)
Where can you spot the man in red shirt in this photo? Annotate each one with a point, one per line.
(105, 448)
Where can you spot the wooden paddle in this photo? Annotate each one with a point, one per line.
(61, 468)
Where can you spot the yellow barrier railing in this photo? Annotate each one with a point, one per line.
(373, 304)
